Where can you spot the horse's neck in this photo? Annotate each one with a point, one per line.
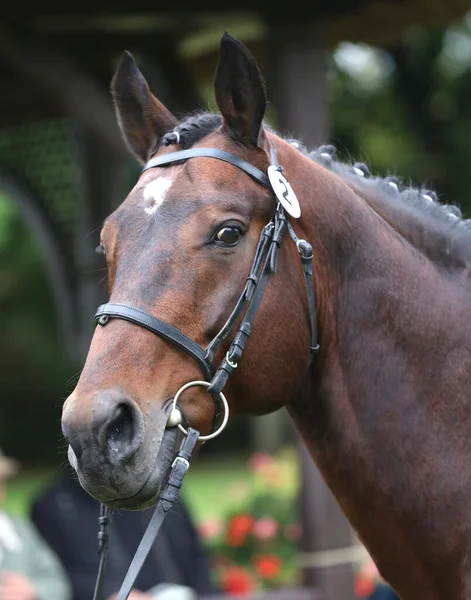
(394, 361)
(423, 231)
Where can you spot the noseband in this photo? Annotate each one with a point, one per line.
(263, 265)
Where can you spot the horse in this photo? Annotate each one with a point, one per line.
(382, 402)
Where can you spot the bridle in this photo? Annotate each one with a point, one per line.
(263, 265)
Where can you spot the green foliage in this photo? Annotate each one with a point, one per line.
(404, 110)
(33, 368)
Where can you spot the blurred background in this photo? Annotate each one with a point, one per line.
(388, 83)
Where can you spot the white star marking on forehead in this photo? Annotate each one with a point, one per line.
(155, 193)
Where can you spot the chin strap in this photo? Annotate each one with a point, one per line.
(167, 499)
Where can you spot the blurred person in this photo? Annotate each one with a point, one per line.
(383, 592)
(29, 570)
(370, 585)
(176, 569)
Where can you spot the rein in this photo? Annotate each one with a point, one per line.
(264, 264)
(166, 500)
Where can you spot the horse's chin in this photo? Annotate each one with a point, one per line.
(148, 493)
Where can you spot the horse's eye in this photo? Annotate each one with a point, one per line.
(229, 236)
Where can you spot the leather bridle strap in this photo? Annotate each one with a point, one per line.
(234, 354)
(104, 530)
(173, 157)
(157, 326)
(306, 256)
(251, 284)
(167, 499)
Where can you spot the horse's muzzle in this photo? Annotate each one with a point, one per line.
(113, 427)
(114, 447)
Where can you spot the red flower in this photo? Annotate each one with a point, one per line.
(210, 528)
(268, 566)
(363, 585)
(265, 528)
(236, 581)
(238, 529)
(260, 462)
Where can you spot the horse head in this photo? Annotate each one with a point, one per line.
(179, 248)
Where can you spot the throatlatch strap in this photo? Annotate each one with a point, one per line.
(306, 257)
(166, 159)
(157, 326)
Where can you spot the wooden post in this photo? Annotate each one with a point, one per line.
(297, 89)
(297, 81)
(327, 543)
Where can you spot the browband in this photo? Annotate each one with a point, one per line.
(173, 157)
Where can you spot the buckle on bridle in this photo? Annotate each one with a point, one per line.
(231, 363)
(304, 249)
(181, 459)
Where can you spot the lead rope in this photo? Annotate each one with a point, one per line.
(167, 499)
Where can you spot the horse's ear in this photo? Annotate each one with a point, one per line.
(143, 120)
(239, 91)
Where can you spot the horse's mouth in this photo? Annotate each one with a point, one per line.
(148, 493)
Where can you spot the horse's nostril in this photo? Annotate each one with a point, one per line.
(121, 432)
(112, 428)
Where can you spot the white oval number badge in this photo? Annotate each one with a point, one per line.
(284, 192)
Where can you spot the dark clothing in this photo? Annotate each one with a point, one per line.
(67, 518)
(384, 592)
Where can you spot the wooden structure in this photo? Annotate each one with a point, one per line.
(61, 155)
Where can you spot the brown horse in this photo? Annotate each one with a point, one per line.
(383, 407)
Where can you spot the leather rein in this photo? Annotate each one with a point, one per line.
(263, 265)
